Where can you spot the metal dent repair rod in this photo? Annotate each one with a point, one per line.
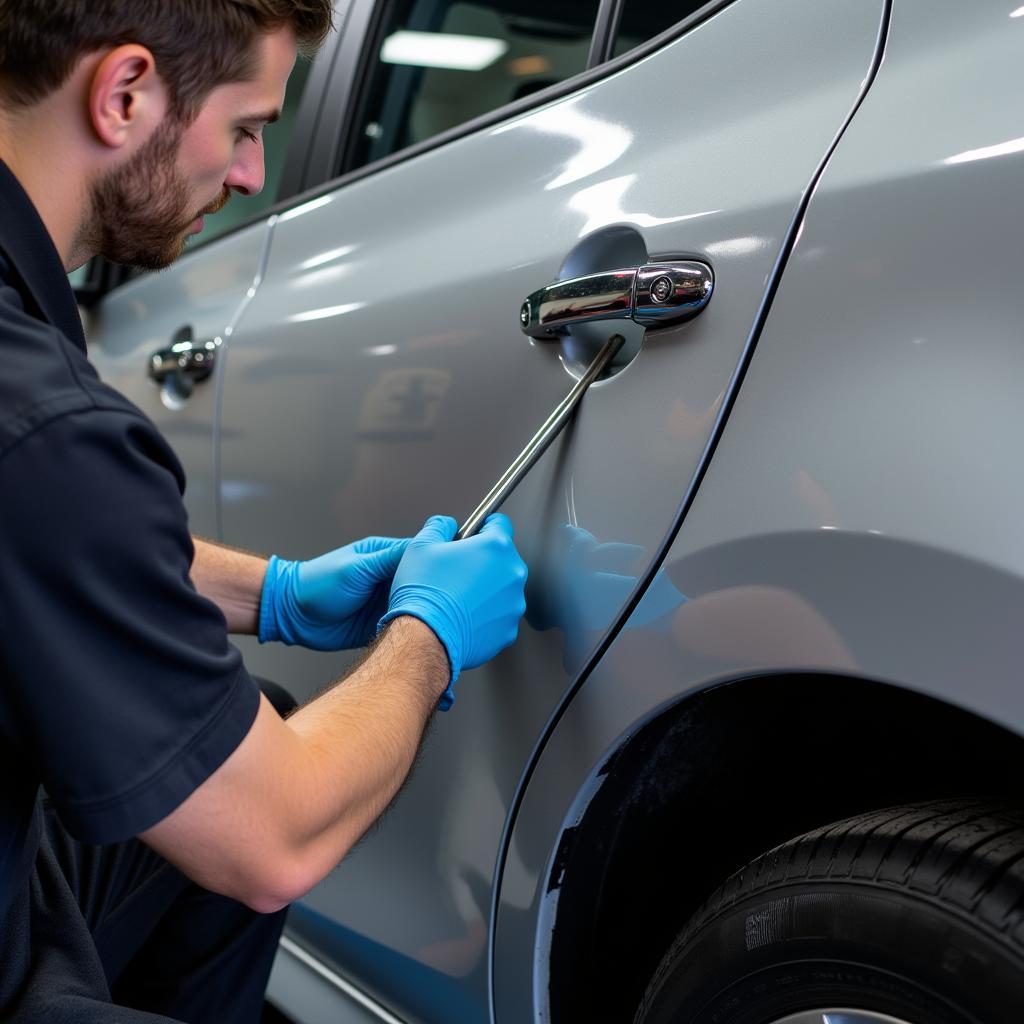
(551, 428)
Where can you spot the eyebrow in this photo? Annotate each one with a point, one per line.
(267, 118)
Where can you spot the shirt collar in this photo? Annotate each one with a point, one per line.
(34, 257)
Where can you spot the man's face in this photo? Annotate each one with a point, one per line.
(144, 211)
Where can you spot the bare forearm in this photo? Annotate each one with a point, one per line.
(233, 580)
(357, 741)
(360, 739)
(300, 793)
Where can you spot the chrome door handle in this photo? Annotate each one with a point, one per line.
(653, 295)
(194, 360)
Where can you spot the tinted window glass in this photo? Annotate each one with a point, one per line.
(641, 20)
(441, 63)
(275, 147)
(78, 277)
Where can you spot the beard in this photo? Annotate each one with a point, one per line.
(140, 211)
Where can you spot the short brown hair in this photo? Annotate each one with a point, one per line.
(197, 44)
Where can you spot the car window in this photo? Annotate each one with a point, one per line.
(275, 147)
(640, 20)
(439, 64)
(78, 277)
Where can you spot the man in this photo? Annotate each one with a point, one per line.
(121, 124)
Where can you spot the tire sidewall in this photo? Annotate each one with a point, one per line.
(830, 944)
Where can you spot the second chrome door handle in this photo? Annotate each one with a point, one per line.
(194, 360)
(654, 295)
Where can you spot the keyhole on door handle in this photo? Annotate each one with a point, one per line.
(609, 282)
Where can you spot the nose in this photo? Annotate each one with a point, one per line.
(246, 173)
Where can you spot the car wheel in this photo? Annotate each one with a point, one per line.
(912, 915)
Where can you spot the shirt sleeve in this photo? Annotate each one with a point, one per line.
(125, 690)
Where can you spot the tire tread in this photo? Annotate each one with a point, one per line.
(965, 855)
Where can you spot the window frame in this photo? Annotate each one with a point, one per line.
(607, 27)
(368, 14)
(354, 116)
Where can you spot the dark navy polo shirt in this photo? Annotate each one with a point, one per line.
(119, 691)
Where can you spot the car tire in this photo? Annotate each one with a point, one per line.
(914, 913)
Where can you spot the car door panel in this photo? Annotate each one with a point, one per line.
(380, 375)
(203, 296)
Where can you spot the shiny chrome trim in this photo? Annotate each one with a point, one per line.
(310, 961)
(839, 1016)
(194, 359)
(672, 292)
(652, 295)
(540, 441)
(608, 296)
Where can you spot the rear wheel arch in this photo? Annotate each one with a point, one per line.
(720, 777)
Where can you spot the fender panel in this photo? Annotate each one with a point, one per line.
(821, 607)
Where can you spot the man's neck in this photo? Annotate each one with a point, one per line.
(55, 190)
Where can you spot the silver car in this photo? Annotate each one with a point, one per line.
(755, 757)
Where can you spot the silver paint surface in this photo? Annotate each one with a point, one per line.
(380, 375)
(861, 514)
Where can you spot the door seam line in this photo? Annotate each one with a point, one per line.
(731, 392)
(225, 348)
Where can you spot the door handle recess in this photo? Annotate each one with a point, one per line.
(194, 360)
(654, 295)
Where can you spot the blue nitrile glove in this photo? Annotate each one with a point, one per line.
(470, 592)
(333, 602)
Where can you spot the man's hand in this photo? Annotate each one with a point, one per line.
(470, 592)
(333, 602)
(300, 792)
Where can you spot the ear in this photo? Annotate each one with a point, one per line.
(127, 98)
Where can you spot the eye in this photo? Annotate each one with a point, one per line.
(251, 136)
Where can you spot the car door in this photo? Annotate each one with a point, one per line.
(158, 338)
(380, 375)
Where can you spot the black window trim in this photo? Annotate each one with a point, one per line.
(338, 103)
(607, 27)
(310, 114)
(350, 67)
